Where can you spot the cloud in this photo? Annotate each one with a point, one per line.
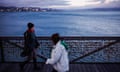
(32, 3)
(112, 4)
(61, 3)
(101, 3)
(109, 3)
(82, 3)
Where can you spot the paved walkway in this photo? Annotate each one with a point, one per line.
(14, 67)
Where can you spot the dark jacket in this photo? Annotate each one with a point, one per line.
(30, 40)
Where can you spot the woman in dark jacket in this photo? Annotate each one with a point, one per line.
(30, 45)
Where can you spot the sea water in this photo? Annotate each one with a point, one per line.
(66, 23)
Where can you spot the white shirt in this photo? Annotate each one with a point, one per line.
(59, 58)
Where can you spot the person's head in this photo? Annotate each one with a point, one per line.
(30, 25)
(55, 38)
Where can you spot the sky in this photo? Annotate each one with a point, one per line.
(62, 3)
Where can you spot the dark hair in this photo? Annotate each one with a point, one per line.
(55, 38)
(30, 25)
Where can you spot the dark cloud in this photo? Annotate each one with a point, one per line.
(103, 1)
(113, 4)
(33, 3)
(48, 3)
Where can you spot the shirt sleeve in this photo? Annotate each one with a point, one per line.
(55, 56)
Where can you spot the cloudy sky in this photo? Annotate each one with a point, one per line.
(61, 3)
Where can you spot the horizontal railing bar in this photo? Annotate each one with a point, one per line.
(65, 38)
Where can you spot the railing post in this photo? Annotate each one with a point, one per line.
(2, 51)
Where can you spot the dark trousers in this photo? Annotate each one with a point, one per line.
(31, 56)
(54, 70)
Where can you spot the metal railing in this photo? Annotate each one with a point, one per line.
(81, 49)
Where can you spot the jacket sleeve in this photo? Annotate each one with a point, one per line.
(55, 56)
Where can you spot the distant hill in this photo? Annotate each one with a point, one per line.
(25, 9)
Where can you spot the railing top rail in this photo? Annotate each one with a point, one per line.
(65, 38)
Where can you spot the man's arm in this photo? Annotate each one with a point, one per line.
(56, 54)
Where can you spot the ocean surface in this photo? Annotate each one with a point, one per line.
(66, 23)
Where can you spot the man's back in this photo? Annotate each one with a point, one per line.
(59, 58)
(63, 63)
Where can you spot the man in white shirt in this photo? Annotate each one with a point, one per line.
(59, 56)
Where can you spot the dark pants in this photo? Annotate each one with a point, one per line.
(54, 70)
(31, 56)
